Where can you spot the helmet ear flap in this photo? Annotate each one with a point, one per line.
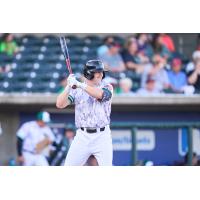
(88, 74)
(103, 75)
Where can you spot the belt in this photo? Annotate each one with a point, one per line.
(92, 130)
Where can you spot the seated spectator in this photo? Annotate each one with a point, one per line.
(104, 48)
(195, 58)
(125, 86)
(167, 41)
(159, 47)
(130, 57)
(8, 45)
(194, 77)
(144, 46)
(157, 72)
(112, 59)
(177, 78)
(149, 89)
(5, 68)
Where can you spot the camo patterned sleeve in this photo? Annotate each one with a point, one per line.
(107, 93)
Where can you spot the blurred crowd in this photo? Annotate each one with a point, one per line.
(154, 59)
(150, 60)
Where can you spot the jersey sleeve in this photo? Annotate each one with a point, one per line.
(23, 131)
(107, 93)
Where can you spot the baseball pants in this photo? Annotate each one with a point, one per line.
(34, 159)
(86, 144)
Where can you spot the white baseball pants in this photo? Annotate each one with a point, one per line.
(86, 144)
(34, 159)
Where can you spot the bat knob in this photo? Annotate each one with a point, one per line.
(74, 87)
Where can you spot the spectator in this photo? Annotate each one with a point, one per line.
(58, 156)
(125, 86)
(144, 46)
(157, 72)
(194, 77)
(104, 48)
(8, 45)
(149, 89)
(112, 59)
(160, 48)
(130, 57)
(177, 77)
(167, 42)
(5, 68)
(195, 159)
(195, 58)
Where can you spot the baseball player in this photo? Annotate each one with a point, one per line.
(92, 100)
(33, 140)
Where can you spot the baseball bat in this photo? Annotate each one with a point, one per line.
(64, 49)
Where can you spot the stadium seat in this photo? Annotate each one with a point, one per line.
(4, 58)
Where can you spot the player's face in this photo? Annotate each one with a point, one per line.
(98, 77)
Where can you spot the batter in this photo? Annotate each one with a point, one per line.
(92, 101)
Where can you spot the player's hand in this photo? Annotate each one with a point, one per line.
(78, 84)
(20, 160)
(71, 81)
(70, 78)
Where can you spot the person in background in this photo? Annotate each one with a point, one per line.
(177, 78)
(130, 57)
(167, 41)
(8, 45)
(160, 48)
(149, 89)
(194, 77)
(58, 156)
(195, 59)
(195, 159)
(144, 46)
(125, 86)
(104, 48)
(112, 59)
(157, 72)
(33, 141)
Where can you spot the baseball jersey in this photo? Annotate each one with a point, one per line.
(89, 111)
(31, 133)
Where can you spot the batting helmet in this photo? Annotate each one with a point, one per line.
(91, 67)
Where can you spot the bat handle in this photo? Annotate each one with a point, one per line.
(74, 87)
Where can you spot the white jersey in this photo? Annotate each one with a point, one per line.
(90, 112)
(32, 134)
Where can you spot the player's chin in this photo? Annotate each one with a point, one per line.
(98, 80)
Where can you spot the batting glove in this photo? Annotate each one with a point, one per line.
(80, 85)
(69, 80)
